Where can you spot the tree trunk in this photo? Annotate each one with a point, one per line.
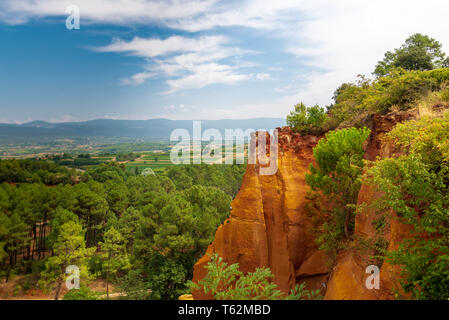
(347, 221)
(7, 274)
(34, 242)
(39, 243)
(58, 289)
(107, 280)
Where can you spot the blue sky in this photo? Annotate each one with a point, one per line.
(198, 59)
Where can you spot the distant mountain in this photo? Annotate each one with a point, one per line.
(153, 129)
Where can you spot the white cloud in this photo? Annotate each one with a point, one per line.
(180, 107)
(154, 47)
(263, 76)
(337, 39)
(105, 11)
(206, 74)
(193, 61)
(137, 78)
(256, 14)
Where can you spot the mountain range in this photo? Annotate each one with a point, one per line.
(152, 129)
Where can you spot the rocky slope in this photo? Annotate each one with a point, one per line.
(269, 226)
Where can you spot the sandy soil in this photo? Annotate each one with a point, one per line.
(12, 291)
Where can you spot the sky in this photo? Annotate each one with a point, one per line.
(194, 60)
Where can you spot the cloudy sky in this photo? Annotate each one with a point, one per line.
(198, 59)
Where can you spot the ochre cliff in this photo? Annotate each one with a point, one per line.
(270, 227)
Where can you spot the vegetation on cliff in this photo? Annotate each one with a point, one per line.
(415, 185)
(226, 282)
(403, 78)
(339, 158)
(307, 120)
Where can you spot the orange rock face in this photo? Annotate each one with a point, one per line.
(268, 226)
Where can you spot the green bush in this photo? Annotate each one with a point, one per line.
(95, 265)
(444, 95)
(339, 159)
(441, 76)
(400, 89)
(83, 293)
(17, 290)
(307, 120)
(226, 282)
(134, 285)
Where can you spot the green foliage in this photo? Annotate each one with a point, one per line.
(69, 249)
(127, 156)
(61, 217)
(403, 78)
(354, 103)
(83, 293)
(155, 225)
(174, 233)
(337, 175)
(427, 137)
(224, 177)
(33, 171)
(420, 52)
(307, 120)
(167, 278)
(134, 285)
(226, 282)
(444, 95)
(415, 186)
(115, 258)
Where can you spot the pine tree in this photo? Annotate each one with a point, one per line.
(114, 255)
(69, 249)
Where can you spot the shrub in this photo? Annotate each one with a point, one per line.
(226, 282)
(427, 137)
(83, 293)
(17, 290)
(134, 285)
(444, 95)
(338, 176)
(400, 89)
(307, 120)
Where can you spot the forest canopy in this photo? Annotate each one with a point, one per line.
(114, 224)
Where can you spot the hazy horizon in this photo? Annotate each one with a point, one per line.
(95, 119)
